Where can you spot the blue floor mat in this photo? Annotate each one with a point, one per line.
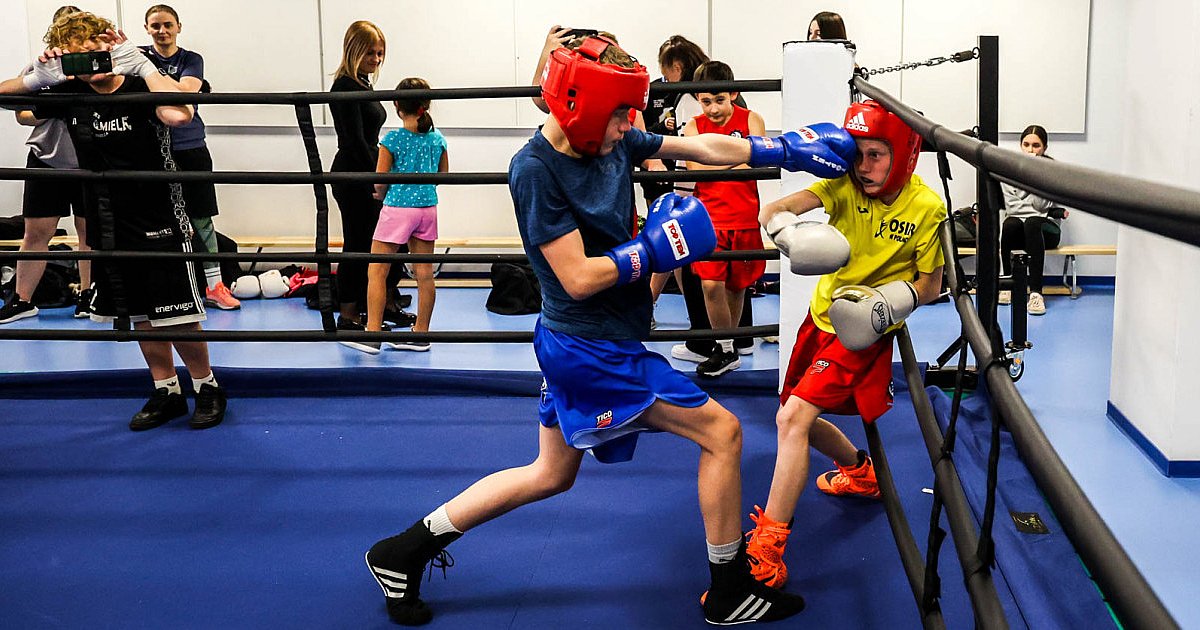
(262, 522)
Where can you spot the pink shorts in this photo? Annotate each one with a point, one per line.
(397, 225)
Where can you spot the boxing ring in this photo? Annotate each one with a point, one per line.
(264, 520)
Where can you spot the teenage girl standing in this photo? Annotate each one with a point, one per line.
(188, 147)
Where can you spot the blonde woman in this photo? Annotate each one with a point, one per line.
(357, 125)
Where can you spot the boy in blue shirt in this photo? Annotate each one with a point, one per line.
(572, 189)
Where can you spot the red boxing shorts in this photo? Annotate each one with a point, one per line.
(823, 372)
(736, 274)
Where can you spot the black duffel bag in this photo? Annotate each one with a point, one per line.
(515, 290)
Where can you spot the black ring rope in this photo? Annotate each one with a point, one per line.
(324, 269)
(315, 257)
(318, 177)
(324, 98)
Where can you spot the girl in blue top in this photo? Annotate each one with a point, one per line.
(409, 214)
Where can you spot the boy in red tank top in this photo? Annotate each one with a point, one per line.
(733, 207)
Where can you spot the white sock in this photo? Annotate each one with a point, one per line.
(171, 384)
(720, 554)
(212, 276)
(439, 523)
(726, 345)
(211, 379)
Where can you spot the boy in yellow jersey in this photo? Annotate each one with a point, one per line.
(842, 360)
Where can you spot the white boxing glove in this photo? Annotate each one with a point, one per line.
(273, 285)
(129, 60)
(861, 314)
(246, 288)
(44, 74)
(812, 247)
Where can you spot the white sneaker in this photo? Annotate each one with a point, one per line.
(1005, 297)
(1036, 305)
(680, 351)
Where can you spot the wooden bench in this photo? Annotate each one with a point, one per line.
(1069, 253)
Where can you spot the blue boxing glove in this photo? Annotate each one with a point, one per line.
(823, 149)
(678, 231)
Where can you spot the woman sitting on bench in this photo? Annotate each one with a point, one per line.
(1030, 224)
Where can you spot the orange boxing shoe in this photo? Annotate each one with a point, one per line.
(855, 481)
(765, 545)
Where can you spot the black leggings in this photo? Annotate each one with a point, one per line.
(693, 299)
(1034, 235)
(360, 213)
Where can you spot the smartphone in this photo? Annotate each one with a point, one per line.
(582, 32)
(94, 62)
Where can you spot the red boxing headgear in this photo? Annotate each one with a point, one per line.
(870, 120)
(582, 93)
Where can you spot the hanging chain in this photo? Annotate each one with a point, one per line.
(958, 57)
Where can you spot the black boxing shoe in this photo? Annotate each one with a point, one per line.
(398, 564)
(735, 597)
(162, 407)
(210, 407)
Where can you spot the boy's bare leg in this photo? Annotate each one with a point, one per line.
(38, 231)
(800, 427)
(551, 473)
(719, 479)
(717, 305)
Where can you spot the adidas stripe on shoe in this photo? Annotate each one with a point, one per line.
(397, 564)
(735, 597)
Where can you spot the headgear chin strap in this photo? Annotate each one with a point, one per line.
(582, 93)
(870, 120)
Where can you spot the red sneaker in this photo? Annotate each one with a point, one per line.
(764, 546)
(857, 481)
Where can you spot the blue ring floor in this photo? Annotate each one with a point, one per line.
(263, 520)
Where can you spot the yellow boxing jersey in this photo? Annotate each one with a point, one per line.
(886, 242)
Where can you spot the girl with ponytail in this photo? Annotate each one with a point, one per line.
(409, 214)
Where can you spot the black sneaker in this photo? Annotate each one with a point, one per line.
(399, 319)
(719, 363)
(744, 346)
(210, 407)
(349, 324)
(15, 309)
(83, 305)
(398, 564)
(162, 407)
(735, 597)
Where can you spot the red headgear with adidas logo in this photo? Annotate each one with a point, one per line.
(582, 93)
(870, 120)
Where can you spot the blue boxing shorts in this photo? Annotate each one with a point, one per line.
(594, 390)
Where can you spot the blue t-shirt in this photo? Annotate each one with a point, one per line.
(184, 63)
(413, 153)
(555, 194)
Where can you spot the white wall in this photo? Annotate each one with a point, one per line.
(1156, 353)
(486, 210)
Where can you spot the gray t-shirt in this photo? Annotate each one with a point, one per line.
(50, 142)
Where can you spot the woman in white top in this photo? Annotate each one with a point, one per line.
(1031, 224)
